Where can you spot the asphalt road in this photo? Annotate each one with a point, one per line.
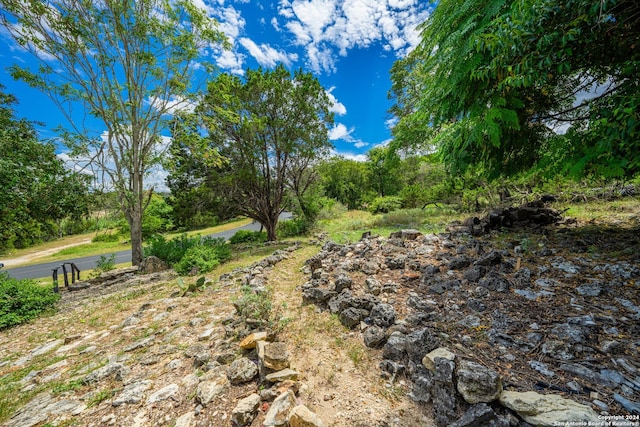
(89, 262)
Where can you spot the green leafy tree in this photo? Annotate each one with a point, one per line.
(345, 180)
(37, 189)
(130, 63)
(492, 80)
(269, 129)
(383, 164)
(197, 195)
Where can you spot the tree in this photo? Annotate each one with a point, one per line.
(37, 188)
(345, 180)
(383, 163)
(131, 63)
(492, 80)
(269, 128)
(196, 185)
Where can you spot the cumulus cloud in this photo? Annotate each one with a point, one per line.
(337, 107)
(339, 131)
(231, 61)
(327, 27)
(266, 55)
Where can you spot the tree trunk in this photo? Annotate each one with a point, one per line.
(270, 228)
(135, 227)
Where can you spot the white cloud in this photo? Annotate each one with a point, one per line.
(266, 55)
(275, 24)
(339, 131)
(390, 123)
(232, 61)
(336, 106)
(350, 156)
(329, 27)
(231, 23)
(361, 144)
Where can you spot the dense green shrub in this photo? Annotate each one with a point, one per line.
(293, 227)
(200, 259)
(330, 209)
(170, 251)
(246, 236)
(184, 253)
(385, 204)
(23, 300)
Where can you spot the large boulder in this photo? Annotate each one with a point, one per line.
(547, 410)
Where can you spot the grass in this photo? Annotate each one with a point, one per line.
(80, 245)
(349, 227)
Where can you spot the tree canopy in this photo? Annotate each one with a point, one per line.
(131, 63)
(37, 188)
(269, 128)
(504, 85)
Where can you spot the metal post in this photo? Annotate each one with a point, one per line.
(66, 279)
(55, 279)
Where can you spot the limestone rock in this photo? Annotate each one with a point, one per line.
(547, 410)
(429, 360)
(373, 336)
(250, 340)
(477, 383)
(301, 416)
(242, 370)
(283, 375)
(168, 392)
(132, 393)
(245, 410)
(186, 420)
(276, 356)
(152, 264)
(210, 389)
(278, 414)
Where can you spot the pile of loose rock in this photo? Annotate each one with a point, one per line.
(478, 328)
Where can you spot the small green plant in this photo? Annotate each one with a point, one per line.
(198, 285)
(252, 305)
(68, 386)
(357, 354)
(99, 397)
(23, 300)
(198, 259)
(106, 263)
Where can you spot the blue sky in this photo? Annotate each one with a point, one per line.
(349, 46)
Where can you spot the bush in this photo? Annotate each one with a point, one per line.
(254, 306)
(170, 251)
(293, 227)
(106, 263)
(106, 237)
(246, 236)
(202, 259)
(406, 218)
(330, 209)
(385, 204)
(184, 253)
(23, 300)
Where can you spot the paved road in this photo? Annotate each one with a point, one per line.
(89, 262)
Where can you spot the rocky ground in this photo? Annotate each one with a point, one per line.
(131, 350)
(404, 330)
(555, 311)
